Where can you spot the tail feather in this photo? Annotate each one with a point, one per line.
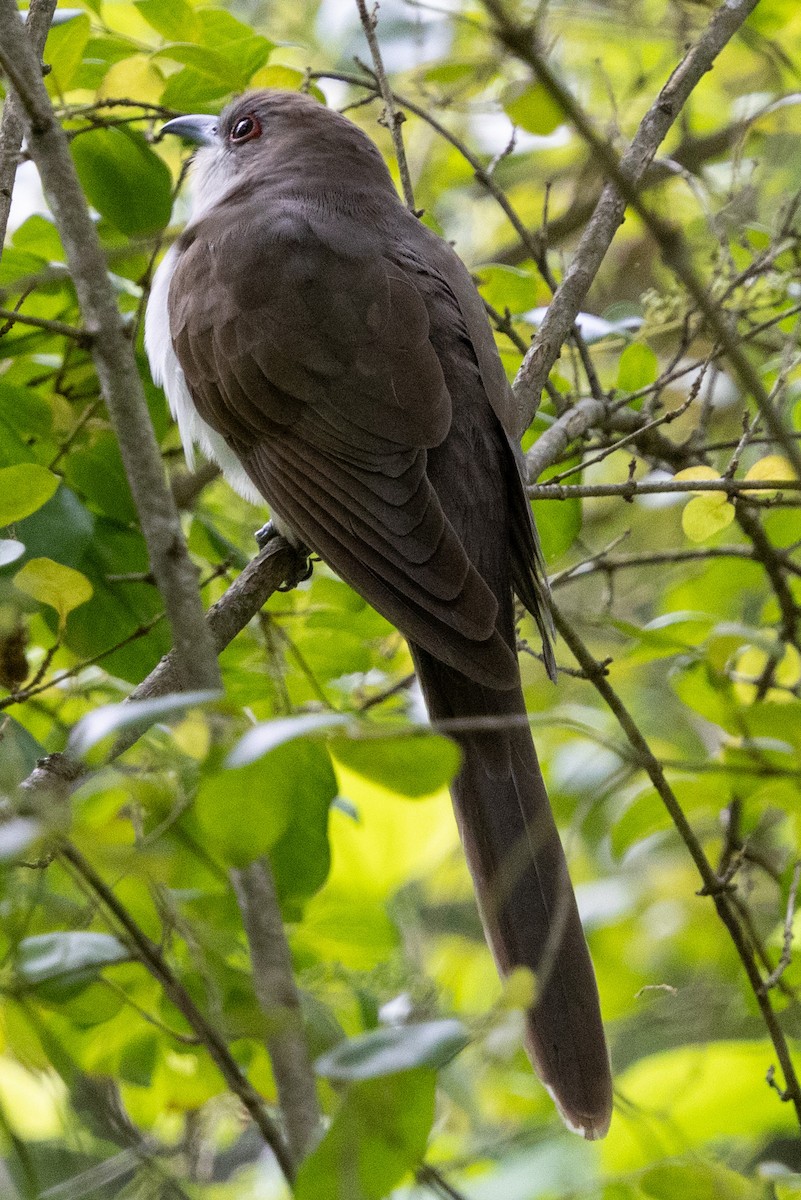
(524, 892)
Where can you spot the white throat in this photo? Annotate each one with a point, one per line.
(209, 184)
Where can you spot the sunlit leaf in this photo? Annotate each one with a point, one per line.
(23, 489)
(532, 108)
(63, 51)
(706, 515)
(638, 367)
(49, 582)
(174, 21)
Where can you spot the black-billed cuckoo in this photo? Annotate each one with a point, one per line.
(333, 356)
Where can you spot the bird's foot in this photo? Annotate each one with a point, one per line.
(301, 568)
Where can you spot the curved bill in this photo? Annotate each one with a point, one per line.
(200, 129)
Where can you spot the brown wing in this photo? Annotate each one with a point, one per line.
(310, 352)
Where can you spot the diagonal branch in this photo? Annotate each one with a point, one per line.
(627, 171)
(713, 885)
(114, 359)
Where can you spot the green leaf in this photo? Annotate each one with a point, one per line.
(397, 1048)
(530, 107)
(20, 753)
(203, 59)
(247, 811)
(638, 367)
(133, 714)
(49, 582)
(301, 856)
(97, 473)
(558, 521)
(175, 21)
(558, 524)
(64, 51)
(40, 236)
(288, 78)
(100, 54)
(223, 32)
(50, 956)
(263, 738)
(508, 287)
(23, 489)
(124, 180)
(194, 91)
(413, 764)
(698, 1180)
(379, 1134)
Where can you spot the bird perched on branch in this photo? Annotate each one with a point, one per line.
(333, 356)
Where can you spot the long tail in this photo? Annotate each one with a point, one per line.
(524, 893)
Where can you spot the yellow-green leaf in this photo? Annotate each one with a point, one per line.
(288, 78)
(49, 582)
(690, 473)
(530, 107)
(638, 367)
(772, 466)
(23, 489)
(706, 515)
(64, 50)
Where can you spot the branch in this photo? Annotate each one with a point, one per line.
(278, 998)
(114, 359)
(12, 124)
(713, 886)
(673, 246)
(630, 169)
(632, 488)
(149, 954)
(692, 153)
(604, 563)
(10, 318)
(392, 118)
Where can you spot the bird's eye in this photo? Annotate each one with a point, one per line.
(245, 129)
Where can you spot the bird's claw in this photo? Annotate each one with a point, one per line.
(300, 570)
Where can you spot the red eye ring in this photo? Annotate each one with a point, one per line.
(245, 129)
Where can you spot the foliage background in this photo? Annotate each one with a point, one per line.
(103, 1087)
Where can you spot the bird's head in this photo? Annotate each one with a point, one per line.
(275, 138)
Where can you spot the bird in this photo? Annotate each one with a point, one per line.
(333, 356)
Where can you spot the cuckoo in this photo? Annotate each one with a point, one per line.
(332, 354)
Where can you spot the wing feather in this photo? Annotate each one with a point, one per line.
(316, 364)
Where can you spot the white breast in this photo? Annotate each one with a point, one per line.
(166, 371)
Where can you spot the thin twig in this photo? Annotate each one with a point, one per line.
(150, 955)
(609, 210)
(392, 118)
(657, 487)
(787, 941)
(12, 317)
(712, 885)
